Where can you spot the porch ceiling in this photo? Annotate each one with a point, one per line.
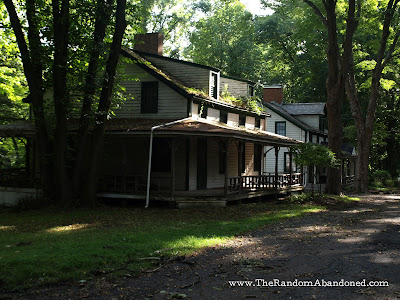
(200, 127)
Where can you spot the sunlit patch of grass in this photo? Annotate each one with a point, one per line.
(40, 251)
(344, 198)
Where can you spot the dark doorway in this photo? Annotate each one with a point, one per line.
(201, 163)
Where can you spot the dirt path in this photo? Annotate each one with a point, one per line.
(354, 244)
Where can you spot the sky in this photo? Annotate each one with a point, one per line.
(255, 7)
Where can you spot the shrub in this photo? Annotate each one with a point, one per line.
(380, 178)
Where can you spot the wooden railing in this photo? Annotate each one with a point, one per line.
(131, 184)
(17, 177)
(259, 182)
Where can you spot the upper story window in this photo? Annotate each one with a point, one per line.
(251, 90)
(280, 128)
(223, 117)
(242, 120)
(322, 123)
(214, 85)
(149, 97)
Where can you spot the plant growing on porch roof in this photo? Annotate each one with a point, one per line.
(314, 155)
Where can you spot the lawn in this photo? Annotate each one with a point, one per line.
(39, 247)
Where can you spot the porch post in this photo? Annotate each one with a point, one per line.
(290, 167)
(276, 166)
(172, 183)
(226, 146)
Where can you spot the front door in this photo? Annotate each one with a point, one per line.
(201, 163)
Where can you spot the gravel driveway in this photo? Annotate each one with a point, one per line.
(329, 250)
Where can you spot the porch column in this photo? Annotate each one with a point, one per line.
(276, 166)
(290, 167)
(226, 149)
(172, 182)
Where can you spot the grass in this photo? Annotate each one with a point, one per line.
(40, 247)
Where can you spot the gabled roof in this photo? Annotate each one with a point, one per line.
(141, 53)
(175, 84)
(305, 108)
(281, 110)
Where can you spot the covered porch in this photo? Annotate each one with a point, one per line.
(193, 163)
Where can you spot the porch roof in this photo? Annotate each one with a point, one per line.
(199, 127)
(19, 128)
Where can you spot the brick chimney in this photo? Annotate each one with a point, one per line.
(150, 43)
(273, 93)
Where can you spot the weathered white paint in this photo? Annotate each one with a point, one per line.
(311, 120)
(171, 105)
(233, 120)
(211, 83)
(236, 88)
(195, 110)
(11, 196)
(189, 74)
(213, 114)
(214, 179)
(250, 122)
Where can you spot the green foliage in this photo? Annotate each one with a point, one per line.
(382, 178)
(225, 38)
(309, 154)
(252, 103)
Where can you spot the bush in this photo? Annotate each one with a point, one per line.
(381, 178)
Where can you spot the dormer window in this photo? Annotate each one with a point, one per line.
(250, 90)
(214, 85)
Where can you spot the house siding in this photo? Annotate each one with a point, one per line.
(311, 120)
(171, 105)
(190, 75)
(235, 87)
(212, 114)
(233, 120)
(250, 122)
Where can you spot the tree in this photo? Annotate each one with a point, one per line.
(364, 121)
(225, 38)
(51, 45)
(314, 156)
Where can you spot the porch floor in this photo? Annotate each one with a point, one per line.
(206, 197)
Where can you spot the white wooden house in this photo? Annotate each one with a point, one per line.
(201, 147)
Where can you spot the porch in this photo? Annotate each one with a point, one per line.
(133, 187)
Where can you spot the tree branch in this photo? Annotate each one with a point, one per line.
(317, 11)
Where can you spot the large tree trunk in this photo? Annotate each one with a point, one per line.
(365, 125)
(105, 103)
(81, 166)
(61, 98)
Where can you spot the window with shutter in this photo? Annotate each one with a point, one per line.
(149, 97)
(214, 85)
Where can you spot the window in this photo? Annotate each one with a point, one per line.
(280, 128)
(242, 120)
(251, 91)
(257, 157)
(202, 111)
(286, 162)
(214, 85)
(322, 123)
(223, 117)
(149, 97)
(258, 123)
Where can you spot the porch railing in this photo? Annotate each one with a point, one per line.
(131, 184)
(17, 177)
(259, 182)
